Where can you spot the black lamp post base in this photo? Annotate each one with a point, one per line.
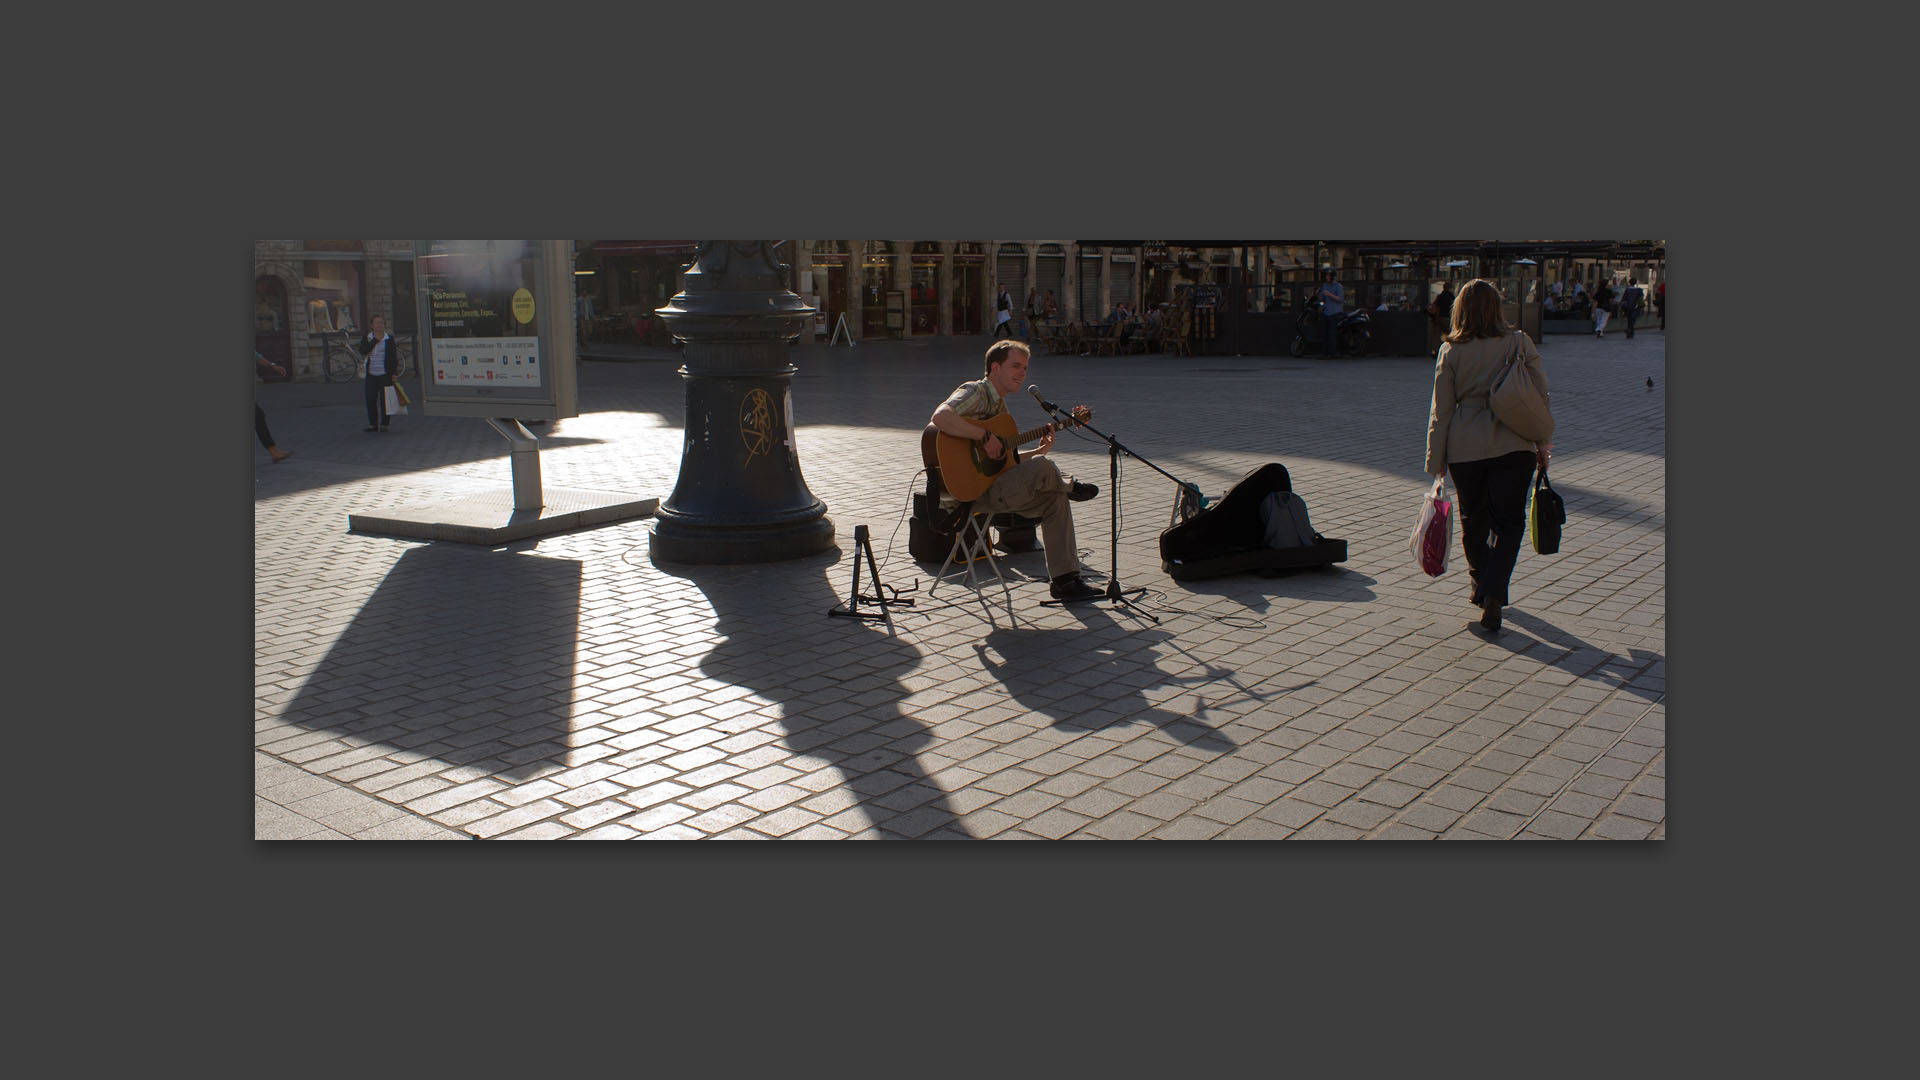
(720, 545)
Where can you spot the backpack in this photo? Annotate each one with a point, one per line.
(1287, 525)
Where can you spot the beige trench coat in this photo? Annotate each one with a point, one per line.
(1460, 426)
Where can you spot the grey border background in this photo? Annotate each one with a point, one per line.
(1431, 132)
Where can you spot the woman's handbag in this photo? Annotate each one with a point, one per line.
(1545, 514)
(1433, 534)
(1518, 403)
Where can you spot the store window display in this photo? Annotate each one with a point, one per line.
(319, 318)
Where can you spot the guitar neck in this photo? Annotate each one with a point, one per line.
(1025, 437)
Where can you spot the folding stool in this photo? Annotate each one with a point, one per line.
(971, 543)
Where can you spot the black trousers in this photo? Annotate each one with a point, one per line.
(377, 399)
(1493, 505)
(260, 427)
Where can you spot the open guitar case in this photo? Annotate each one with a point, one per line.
(1230, 536)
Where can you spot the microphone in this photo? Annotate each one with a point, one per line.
(1044, 403)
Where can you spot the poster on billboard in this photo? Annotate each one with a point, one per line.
(491, 348)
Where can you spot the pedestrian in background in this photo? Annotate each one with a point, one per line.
(1333, 299)
(1630, 304)
(377, 347)
(1002, 314)
(1602, 307)
(1492, 465)
(260, 415)
(1440, 315)
(1660, 301)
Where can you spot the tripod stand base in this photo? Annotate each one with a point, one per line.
(863, 548)
(1114, 594)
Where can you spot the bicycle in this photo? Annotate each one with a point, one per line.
(341, 360)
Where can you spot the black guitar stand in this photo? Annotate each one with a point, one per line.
(1114, 592)
(863, 546)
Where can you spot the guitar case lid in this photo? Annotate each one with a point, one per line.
(1230, 536)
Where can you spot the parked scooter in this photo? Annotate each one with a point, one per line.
(1351, 333)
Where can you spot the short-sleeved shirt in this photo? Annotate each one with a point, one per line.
(976, 400)
(1336, 297)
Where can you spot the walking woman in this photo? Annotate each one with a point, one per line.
(1602, 308)
(1492, 465)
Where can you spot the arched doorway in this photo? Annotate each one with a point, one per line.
(272, 336)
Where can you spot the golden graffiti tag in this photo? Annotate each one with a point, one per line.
(756, 423)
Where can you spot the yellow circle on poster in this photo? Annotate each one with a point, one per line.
(523, 305)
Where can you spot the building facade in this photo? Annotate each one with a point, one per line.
(312, 294)
(307, 292)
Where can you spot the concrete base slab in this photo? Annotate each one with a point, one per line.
(491, 519)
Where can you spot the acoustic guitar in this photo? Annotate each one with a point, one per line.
(965, 470)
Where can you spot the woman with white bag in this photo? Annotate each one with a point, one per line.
(1492, 465)
(377, 347)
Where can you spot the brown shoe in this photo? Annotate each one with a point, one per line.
(278, 455)
(1070, 587)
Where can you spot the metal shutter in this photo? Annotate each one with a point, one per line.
(1123, 281)
(1012, 273)
(1050, 272)
(1090, 309)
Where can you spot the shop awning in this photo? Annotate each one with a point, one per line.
(644, 247)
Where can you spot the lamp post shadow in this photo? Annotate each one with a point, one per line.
(837, 685)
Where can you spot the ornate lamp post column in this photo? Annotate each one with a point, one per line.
(740, 497)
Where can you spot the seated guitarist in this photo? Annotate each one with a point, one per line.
(1032, 488)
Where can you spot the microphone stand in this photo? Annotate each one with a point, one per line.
(1114, 592)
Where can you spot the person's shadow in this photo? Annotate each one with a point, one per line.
(837, 686)
(1105, 673)
(1551, 644)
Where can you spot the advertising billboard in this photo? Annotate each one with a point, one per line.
(496, 328)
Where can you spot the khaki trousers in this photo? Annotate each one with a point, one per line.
(1034, 488)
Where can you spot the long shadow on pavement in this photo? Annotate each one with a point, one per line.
(838, 683)
(1551, 644)
(462, 655)
(1097, 676)
(1256, 589)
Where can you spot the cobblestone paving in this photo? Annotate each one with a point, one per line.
(569, 688)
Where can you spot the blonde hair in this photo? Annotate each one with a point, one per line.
(1476, 313)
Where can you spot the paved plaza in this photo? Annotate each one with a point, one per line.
(567, 687)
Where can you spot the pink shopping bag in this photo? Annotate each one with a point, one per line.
(1433, 534)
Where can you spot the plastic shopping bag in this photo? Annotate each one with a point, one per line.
(394, 408)
(405, 401)
(1433, 535)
